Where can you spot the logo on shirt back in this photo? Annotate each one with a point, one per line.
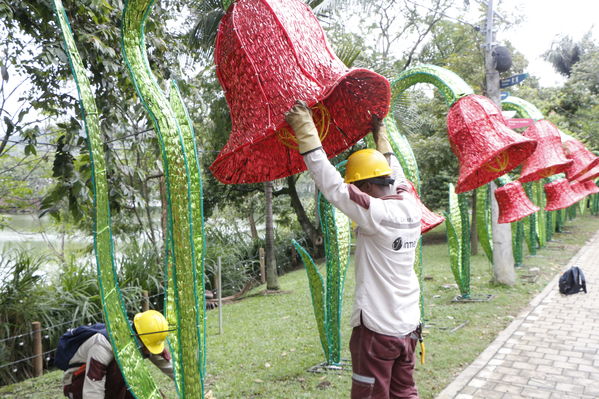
(399, 244)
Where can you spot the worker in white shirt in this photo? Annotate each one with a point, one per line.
(386, 312)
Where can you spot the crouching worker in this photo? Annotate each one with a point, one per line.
(91, 370)
(386, 312)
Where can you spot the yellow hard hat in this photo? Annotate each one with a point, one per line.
(365, 164)
(152, 329)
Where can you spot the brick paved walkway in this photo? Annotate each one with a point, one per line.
(551, 350)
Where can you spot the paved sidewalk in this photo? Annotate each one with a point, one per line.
(551, 350)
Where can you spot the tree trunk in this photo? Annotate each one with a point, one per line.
(272, 280)
(314, 234)
(252, 223)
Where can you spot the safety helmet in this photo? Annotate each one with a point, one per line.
(365, 164)
(152, 329)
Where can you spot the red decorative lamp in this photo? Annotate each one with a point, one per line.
(486, 148)
(513, 203)
(559, 195)
(584, 160)
(270, 53)
(549, 157)
(591, 187)
(429, 219)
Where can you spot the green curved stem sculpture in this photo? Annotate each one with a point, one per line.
(184, 307)
(327, 296)
(483, 221)
(457, 223)
(120, 333)
(452, 87)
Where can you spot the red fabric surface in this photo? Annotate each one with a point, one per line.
(583, 159)
(486, 148)
(513, 203)
(549, 157)
(559, 195)
(270, 53)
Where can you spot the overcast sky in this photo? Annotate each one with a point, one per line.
(544, 20)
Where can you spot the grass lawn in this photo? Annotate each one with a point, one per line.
(270, 341)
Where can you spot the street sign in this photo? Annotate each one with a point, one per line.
(504, 95)
(512, 80)
(516, 123)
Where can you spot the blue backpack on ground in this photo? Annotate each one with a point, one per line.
(572, 281)
(72, 340)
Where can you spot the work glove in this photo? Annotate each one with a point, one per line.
(379, 133)
(299, 117)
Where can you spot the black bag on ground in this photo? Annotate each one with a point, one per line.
(572, 281)
(72, 340)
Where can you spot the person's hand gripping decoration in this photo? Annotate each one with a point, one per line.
(299, 117)
(379, 133)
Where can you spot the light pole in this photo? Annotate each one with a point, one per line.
(503, 256)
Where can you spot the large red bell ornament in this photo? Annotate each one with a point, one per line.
(591, 187)
(549, 157)
(270, 53)
(559, 195)
(513, 203)
(429, 219)
(579, 190)
(592, 174)
(583, 159)
(486, 148)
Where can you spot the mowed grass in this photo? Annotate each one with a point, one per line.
(270, 340)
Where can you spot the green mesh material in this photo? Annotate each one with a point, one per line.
(454, 220)
(530, 224)
(483, 221)
(451, 86)
(327, 299)
(595, 204)
(182, 198)
(403, 151)
(517, 239)
(549, 225)
(120, 333)
(523, 108)
(538, 198)
(571, 212)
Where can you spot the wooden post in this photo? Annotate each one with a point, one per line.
(262, 266)
(38, 360)
(145, 301)
(220, 297)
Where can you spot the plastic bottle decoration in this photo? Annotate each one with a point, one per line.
(513, 203)
(270, 53)
(583, 159)
(591, 187)
(486, 148)
(559, 195)
(549, 157)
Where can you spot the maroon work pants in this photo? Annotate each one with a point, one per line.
(383, 365)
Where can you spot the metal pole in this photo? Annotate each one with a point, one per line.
(503, 256)
(38, 361)
(220, 297)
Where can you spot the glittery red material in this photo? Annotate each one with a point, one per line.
(580, 190)
(559, 195)
(513, 203)
(584, 160)
(591, 187)
(592, 174)
(549, 157)
(270, 53)
(486, 148)
(429, 219)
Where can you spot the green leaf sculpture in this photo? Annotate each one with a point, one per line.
(120, 333)
(327, 295)
(458, 233)
(483, 221)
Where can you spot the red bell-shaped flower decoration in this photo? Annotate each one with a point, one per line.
(270, 53)
(579, 190)
(559, 195)
(592, 174)
(591, 187)
(486, 148)
(513, 203)
(549, 157)
(583, 159)
(429, 219)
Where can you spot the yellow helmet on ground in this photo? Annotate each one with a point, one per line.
(365, 164)
(152, 329)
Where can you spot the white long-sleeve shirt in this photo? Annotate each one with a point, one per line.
(97, 348)
(387, 293)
